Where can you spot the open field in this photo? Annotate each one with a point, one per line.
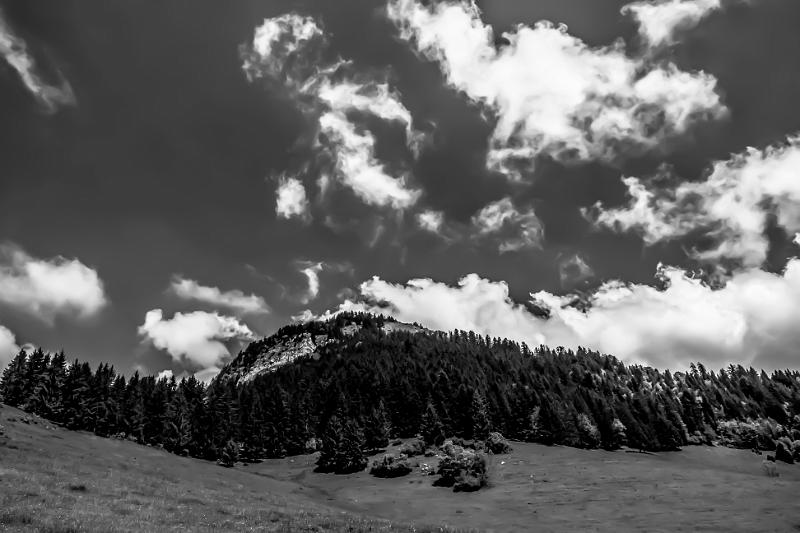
(55, 480)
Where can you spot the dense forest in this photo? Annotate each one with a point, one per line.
(368, 385)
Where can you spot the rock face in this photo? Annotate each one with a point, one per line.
(298, 342)
(286, 351)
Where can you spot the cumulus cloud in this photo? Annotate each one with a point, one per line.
(8, 346)
(46, 288)
(288, 49)
(291, 200)
(514, 230)
(430, 220)
(731, 205)
(197, 339)
(235, 300)
(16, 53)
(751, 320)
(551, 93)
(660, 21)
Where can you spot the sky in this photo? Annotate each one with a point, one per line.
(180, 178)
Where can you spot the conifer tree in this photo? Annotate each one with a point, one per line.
(431, 429)
(13, 380)
(377, 428)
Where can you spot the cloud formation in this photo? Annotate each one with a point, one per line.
(731, 206)
(551, 93)
(513, 229)
(290, 199)
(311, 272)
(661, 21)
(288, 49)
(16, 53)
(234, 300)
(752, 320)
(46, 288)
(197, 339)
(8, 346)
(430, 220)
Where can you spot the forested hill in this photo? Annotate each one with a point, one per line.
(371, 382)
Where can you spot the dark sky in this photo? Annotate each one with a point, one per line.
(160, 159)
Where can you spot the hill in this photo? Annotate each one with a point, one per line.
(369, 379)
(57, 480)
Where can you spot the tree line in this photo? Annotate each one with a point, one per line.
(369, 385)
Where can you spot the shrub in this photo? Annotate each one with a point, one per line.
(391, 465)
(783, 451)
(770, 469)
(497, 444)
(229, 454)
(413, 447)
(464, 470)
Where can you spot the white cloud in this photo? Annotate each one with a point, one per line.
(8, 347)
(431, 220)
(751, 320)
(731, 205)
(661, 20)
(552, 94)
(572, 270)
(46, 288)
(287, 49)
(197, 338)
(291, 200)
(164, 374)
(311, 272)
(357, 167)
(234, 300)
(515, 230)
(16, 53)
(276, 41)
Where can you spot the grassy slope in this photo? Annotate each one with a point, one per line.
(135, 488)
(56, 480)
(540, 488)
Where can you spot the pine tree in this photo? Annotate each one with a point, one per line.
(377, 428)
(431, 429)
(481, 426)
(12, 385)
(331, 443)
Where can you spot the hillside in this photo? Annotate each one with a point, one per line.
(61, 481)
(371, 378)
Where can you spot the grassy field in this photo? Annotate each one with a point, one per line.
(55, 480)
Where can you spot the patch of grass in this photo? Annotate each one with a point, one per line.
(15, 518)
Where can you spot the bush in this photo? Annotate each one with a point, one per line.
(391, 465)
(229, 454)
(413, 447)
(783, 451)
(497, 444)
(463, 469)
(770, 469)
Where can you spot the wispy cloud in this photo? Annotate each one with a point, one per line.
(16, 53)
(234, 300)
(288, 50)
